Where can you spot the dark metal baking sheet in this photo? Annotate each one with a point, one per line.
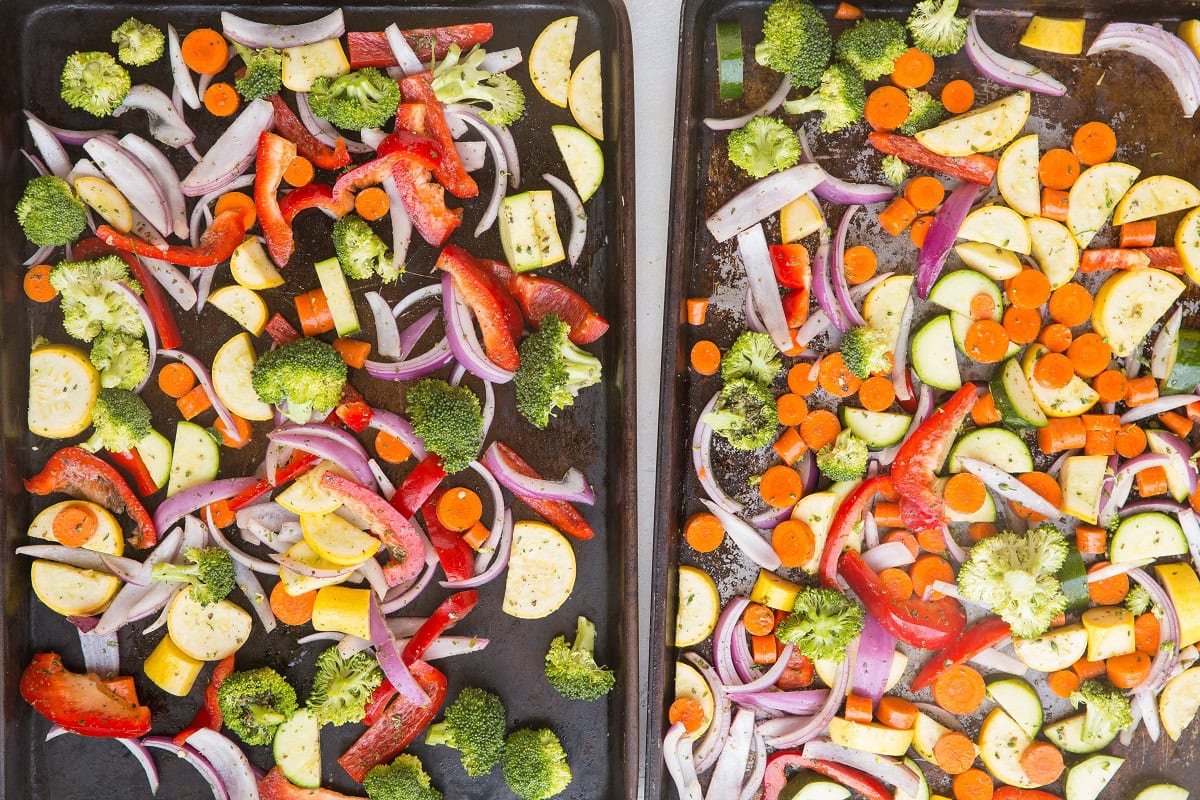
(1127, 92)
(597, 434)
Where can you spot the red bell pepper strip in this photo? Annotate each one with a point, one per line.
(456, 556)
(424, 200)
(81, 703)
(450, 171)
(275, 155)
(289, 126)
(451, 611)
(415, 145)
(227, 231)
(370, 48)
(418, 485)
(512, 311)
(209, 715)
(299, 464)
(974, 168)
(853, 779)
(1164, 258)
(922, 455)
(403, 722)
(410, 117)
(75, 471)
(379, 702)
(275, 786)
(1099, 259)
(539, 296)
(558, 513)
(313, 195)
(849, 513)
(353, 410)
(984, 634)
(135, 468)
(371, 173)
(791, 265)
(927, 624)
(281, 331)
(489, 301)
(1013, 793)
(152, 292)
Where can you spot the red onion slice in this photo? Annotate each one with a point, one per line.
(887, 769)
(205, 378)
(841, 290)
(259, 34)
(320, 128)
(395, 425)
(997, 661)
(72, 137)
(702, 462)
(509, 145)
(807, 729)
(410, 593)
(900, 354)
(402, 226)
(127, 598)
(39, 256)
(1153, 409)
(1178, 64)
(387, 335)
(504, 549)
(164, 173)
(762, 199)
(462, 339)
(1164, 345)
(166, 123)
(941, 235)
(709, 748)
(754, 780)
(723, 636)
(748, 538)
(752, 320)
(822, 285)
(1009, 71)
(578, 235)
(487, 551)
(351, 459)
(101, 654)
(769, 519)
(767, 679)
(887, 555)
(131, 177)
(756, 259)
(873, 661)
(767, 108)
(257, 564)
(393, 666)
(686, 789)
(471, 117)
(1113, 570)
(38, 164)
(501, 60)
(55, 155)
(147, 323)
(573, 488)
(248, 582)
(471, 154)
(726, 780)
(1010, 488)
(406, 59)
(180, 73)
(1178, 453)
(1122, 483)
(83, 558)
(800, 703)
(197, 761)
(843, 193)
(228, 760)
(451, 646)
(1166, 657)
(307, 570)
(1191, 531)
(145, 761)
(233, 152)
(194, 498)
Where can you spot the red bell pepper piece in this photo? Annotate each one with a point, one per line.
(418, 485)
(135, 468)
(984, 634)
(281, 331)
(451, 611)
(456, 556)
(411, 117)
(313, 195)
(558, 513)
(299, 464)
(927, 624)
(370, 48)
(791, 265)
(353, 410)
(798, 674)
(209, 715)
(853, 779)
(379, 702)
(539, 296)
(512, 311)
(450, 171)
(403, 542)
(1164, 258)
(922, 455)
(489, 302)
(81, 703)
(275, 155)
(414, 145)
(1105, 258)
(289, 126)
(1013, 793)
(371, 173)
(849, 513)
(75, 471)
(152, 292)
(974, 168)
(227, 231)
(403, 722)
(274, 786)
(424, 200)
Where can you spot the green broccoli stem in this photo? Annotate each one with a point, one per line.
(583, 368)
(265, 715)
(182, 573)
(439, 733)
(804, 105)
(585, 636)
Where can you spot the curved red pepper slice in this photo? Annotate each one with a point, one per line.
(275, 155)
(275, 786)
(131, 461)
(372, 173)
(227, 231)
(558, 513)
(424, 200)
(926, 624)
(417, 147)
(489, 301)
(451, 611)
(320, 154)
(853, 779)
(975, 168)
(152, 292)
(398, 727)
(450, 172)
(913, 471)
(456, 556)
(75, 471)
(418, 485)
(540, 296)
(313, 195)
(984, 634)
(81, 703)
(370, 48)
(209, 716)
(848, 514)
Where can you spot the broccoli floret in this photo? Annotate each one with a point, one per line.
(894, 170)
(360, 251)
(88, 305)
(120, 420)
(95, 82)
(845, 459)
(841, 98)
(1015, 575)
(50, 213)
(866, 351)
(264, 72)
(448, 420)
(535, 766)
(752, 356)
(474, 725)
(572, 669)
(553, 371)
(138, 43)
(403, 779)
(764, 145)
(210, 573)
(822, 624)
(872, 47)
(123, 360)
(255, 703)
(460, 80)
(924, 111)
(1106, 710)
(935, 28)
(1138, 600)
(795, 41)
(342, 686)
(365, 98)
(745, 414)
(308, 375)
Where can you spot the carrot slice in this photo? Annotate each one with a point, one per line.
(1054, 204)
(954, 752)
(221, 100)
(959, 690)
(794, 542)
(781, 486)
(984, 412)
(876, 393)
(820, 428)
(1139, 234)
(1152, 482)
(299, 172)
(353, 351)
(292, 609)
(847, 11)
(1058, 169)
(927, 569)
(1110, 385)
(958, 96)
(74, 525)
(802, 379)
(978, 531)
(1022, 324)
(987, 341)
(1140, 391)
(704, 532)
(920, 229)
(37, 284)
(964, 493)
(1146, 633)
(688, 711)
(706, 357)
(1094, 143)
(1071, 305)
(459, 508)
(1089, 354)
(390, 449)
(789, 446)
(697, 310)
(1109, 591)
(859, 264)
(176, 380)
(896, 584)
(1129, 670)
(912, 70)
(792, 409)
(1029, 288)
(836, 378)
(1056, 337)
(1061, 434)
(372, 203)
(1063, 682)
(896, 712)
(1053, 370)
(858, 708)
(205, 51)
(925, 193)
(899, 214)
(1042, 763)
(240, 201)
(974, 784)
(758, 619)
(887, 108)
